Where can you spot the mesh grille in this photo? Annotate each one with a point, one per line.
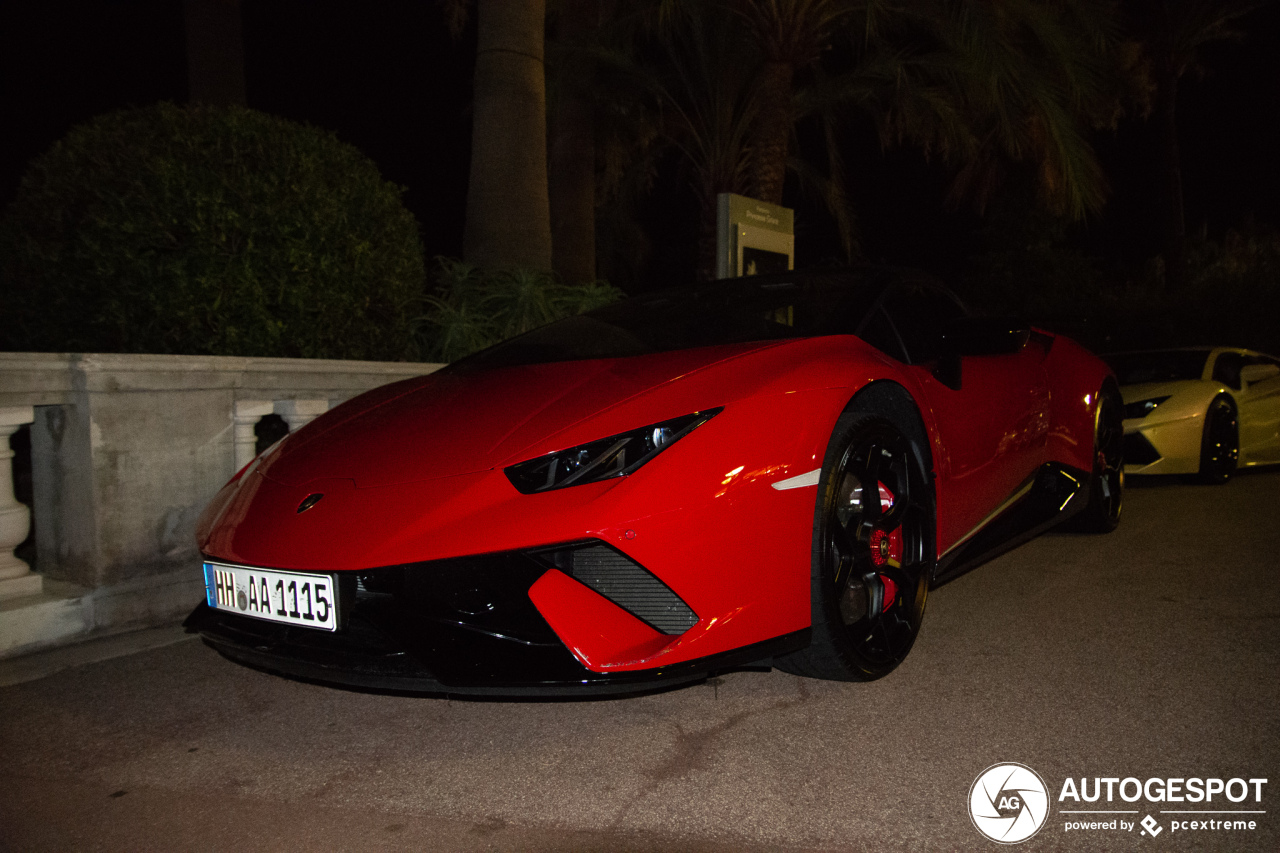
(631, 587)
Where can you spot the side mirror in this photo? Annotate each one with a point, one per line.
(985, 336)
(977, 336)
(1252, 373)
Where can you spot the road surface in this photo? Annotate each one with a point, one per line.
(1151, 653)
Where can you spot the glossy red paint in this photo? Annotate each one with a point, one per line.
(684, 509)
(457, 423)
(414, 472)
(605, 637)
(1076, 376)
(989, 436)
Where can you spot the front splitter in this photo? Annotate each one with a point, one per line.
(439, 659)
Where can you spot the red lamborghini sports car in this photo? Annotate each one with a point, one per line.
(771, 471)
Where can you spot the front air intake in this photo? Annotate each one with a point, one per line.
(632, 587)
(1138, 450)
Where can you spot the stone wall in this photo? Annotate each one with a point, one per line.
(127, 449)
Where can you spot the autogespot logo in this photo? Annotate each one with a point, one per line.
(1008, 802)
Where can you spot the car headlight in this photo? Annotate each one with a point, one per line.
(615, 456)
(1142, 408)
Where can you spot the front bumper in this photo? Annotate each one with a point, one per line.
(1169, 447)
(469, 627)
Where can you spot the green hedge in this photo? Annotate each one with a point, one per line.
(208, 230)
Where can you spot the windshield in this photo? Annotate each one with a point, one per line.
(760, 308)
(1158, 365)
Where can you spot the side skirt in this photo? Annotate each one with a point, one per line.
(1051, 495)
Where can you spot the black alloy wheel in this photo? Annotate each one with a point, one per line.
(1220, 444)
(1106, 485)
(873, 554)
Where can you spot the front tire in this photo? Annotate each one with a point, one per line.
(1220, 443)
(873, 553)
(1106, 485)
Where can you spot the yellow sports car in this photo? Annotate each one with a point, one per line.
(1204, 411)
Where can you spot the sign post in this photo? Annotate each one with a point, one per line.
(753, 237)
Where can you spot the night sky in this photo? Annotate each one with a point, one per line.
(388, 78)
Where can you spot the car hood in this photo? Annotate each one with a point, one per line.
(1187, 398)
(1147, 390)
(459, 421)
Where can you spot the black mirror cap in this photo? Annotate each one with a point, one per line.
(986, 336)
(949, 370)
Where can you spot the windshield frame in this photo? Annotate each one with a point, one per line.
(731, 311)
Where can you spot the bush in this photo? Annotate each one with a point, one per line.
(1027, 265)
(208, 230)
(474, 308)
(1231, 297)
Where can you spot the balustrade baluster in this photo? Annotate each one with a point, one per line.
(16, 577)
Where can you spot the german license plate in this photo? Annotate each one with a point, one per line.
(295, 598)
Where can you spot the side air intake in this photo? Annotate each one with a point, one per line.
(630, 586)
(1138, 450)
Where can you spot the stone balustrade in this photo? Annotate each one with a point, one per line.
(125, 452)
(16, 577)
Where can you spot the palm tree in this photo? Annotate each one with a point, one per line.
(508, 222)
(1036, 78)
(685, 80)
(709, 105)
(791, 36)
(572, 146)
(973, 83)
(1172, 34)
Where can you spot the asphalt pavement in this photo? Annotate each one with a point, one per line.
(1150, 653)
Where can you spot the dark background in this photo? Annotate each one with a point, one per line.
(388, 78)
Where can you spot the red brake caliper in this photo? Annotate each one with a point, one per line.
(886, 547)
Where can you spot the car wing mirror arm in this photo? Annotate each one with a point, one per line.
(950, 368)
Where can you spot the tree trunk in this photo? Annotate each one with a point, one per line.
(215, 52)
(708, 234)
(1173, 220)
(508, 213)
(573, 153)
(771, 135)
